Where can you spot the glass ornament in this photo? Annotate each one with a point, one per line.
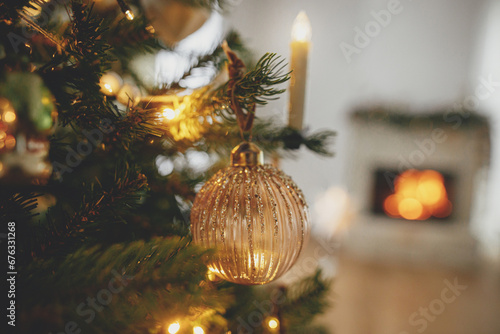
(255, 217)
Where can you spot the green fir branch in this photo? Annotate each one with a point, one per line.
(158, 280)
(304, 301)
(257, 86)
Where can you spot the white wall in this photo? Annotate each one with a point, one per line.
(423, 59)
(487, 65)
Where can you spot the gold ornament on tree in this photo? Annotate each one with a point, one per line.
(253, 214)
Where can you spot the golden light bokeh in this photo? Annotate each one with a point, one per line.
(9, 116)
(130, 16)
(10, 142)
(108, 87)
(174, 328)
(273, 323)
(182, 119)
(198, 330)
(410, 208)
(418, 195)
(169, 113)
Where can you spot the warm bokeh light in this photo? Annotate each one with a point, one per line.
(418, 195)
(110, 83)
(410, 208)
(391, 204)
(108, 87)
(273, 323)
(184, 122)
(169, 113)
(174, 328)
(46, 100)
(130, 16)
(10, 142)
(9, 116)
(198, 330)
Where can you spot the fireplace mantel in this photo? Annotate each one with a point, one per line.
(453, 142)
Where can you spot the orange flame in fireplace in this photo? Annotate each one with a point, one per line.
(418, 196)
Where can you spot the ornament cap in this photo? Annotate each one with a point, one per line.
(246, 154)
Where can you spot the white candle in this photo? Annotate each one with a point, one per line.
(300, 45)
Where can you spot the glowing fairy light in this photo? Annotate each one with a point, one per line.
(198, 330)
(273, 323)
(174, 328)
(130, 16)
(169, 113)
(9, 116)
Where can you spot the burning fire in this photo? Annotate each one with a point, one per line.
(418, 195)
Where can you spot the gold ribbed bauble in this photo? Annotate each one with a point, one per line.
(255, 217)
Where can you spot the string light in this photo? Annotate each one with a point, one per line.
(169, 113)
(150, 29)
(198, 330)
(174, 328)
(130, 16)
(9, 116)
(273, 323)
(126, 10)
(110, 83)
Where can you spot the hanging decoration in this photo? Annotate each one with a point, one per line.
(27, 117)
(253, 214)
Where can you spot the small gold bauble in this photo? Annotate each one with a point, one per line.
(254, 215)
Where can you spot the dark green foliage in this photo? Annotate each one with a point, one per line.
(142, 278)
(304, 302)
(258, 85)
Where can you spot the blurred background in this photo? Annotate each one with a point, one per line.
(407, 214)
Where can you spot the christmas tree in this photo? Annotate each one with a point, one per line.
(99, 169)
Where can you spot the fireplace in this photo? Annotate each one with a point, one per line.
(416, 179)
(413, 195)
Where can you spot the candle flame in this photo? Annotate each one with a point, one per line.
(301, 29)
